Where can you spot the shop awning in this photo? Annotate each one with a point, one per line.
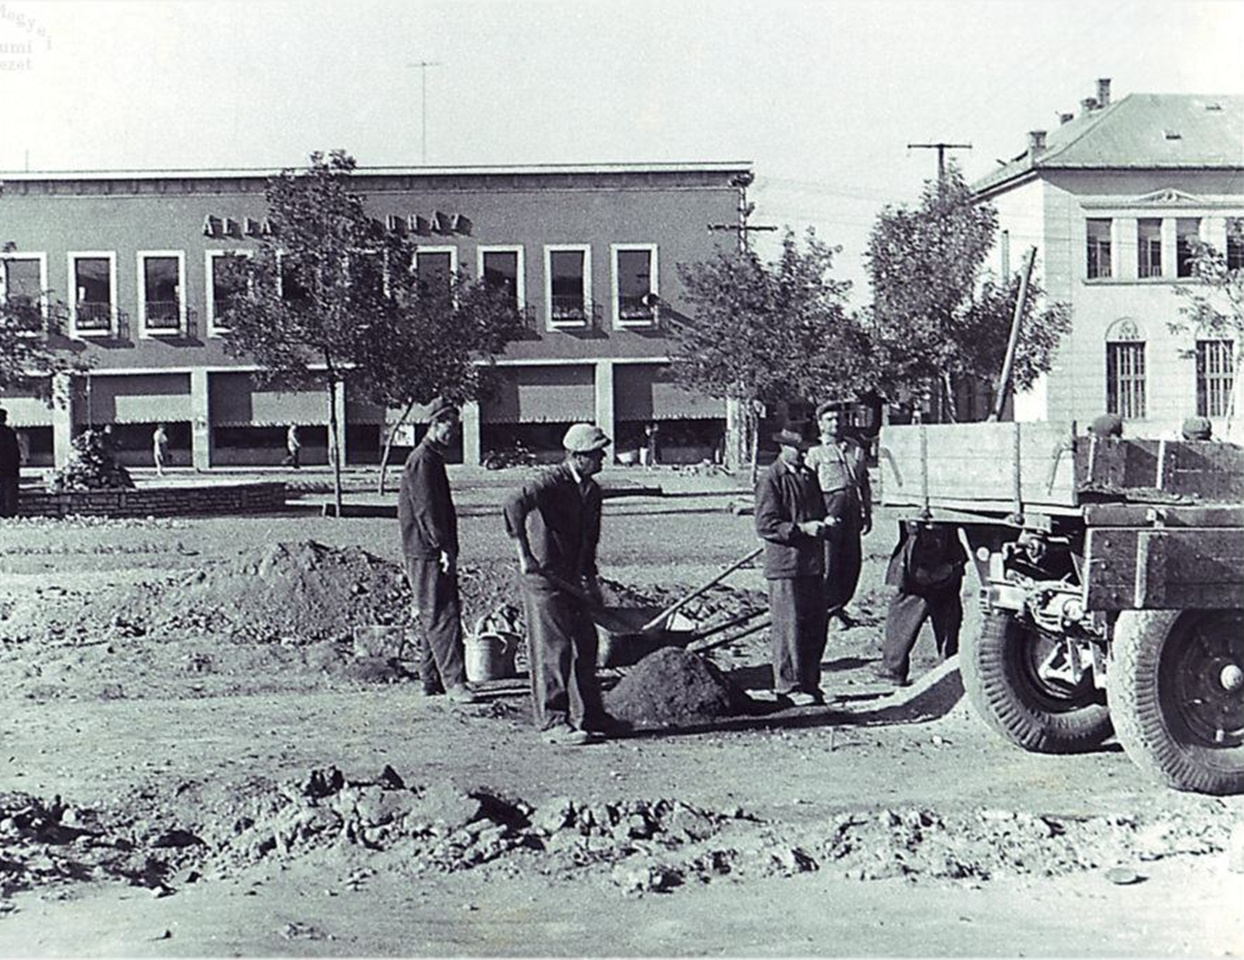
(237, 402)
(554, 394)
(133, 398)
(649, 392)
(26, 410)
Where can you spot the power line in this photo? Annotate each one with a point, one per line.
(941, 149)
(745, 209)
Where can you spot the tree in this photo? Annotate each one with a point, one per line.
(937, 320)
(331, 296)
(441, 346)
(1215, 308)
(761, 333)
(30, 357)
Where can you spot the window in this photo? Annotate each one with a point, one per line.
(1125, 379)
(501, 268)
(160, 302)
(435, 267)
(91, 293)
(1235, 243)
(225, 282)
(568, 285)
(1149, 238)
(634, 277)
(1098, 249)
(1215, 376)
(1187, 233)
(23, 277)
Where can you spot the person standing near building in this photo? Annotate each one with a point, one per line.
(926, 571)
(159, 448)
(841, 466)
(790, 518)
(555, 523)
(10, 466)
(429, 527)
(293, 447)
(652, 440)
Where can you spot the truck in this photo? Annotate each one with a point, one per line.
(1111, 575)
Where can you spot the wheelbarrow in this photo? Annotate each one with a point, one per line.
(628, 634)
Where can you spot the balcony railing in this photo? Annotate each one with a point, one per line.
(633, 310)
(569, 310)
(93, 316)
(163, 315)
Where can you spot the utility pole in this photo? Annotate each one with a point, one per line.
(422, 67)
(745, 209)
(941, 149)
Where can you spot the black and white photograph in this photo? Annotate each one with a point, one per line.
(649, 478)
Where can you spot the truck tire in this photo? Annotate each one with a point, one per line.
(1176, 691)
(1001, 680)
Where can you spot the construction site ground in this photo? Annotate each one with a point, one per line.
(196, 758)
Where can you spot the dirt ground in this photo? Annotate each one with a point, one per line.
(203, 754)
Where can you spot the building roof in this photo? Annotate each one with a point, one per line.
(552, 169)
(1143, 131)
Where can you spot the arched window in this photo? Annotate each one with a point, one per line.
(1125, 369)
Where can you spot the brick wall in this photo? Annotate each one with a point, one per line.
(157, 501)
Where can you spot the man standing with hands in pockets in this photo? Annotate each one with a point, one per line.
(790, 518)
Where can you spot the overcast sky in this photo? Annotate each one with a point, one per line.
(823, 98)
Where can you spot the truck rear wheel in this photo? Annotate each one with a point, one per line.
(1004, 679)
(1176, 690)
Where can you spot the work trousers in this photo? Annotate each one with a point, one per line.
(844, 550)
(561, 657)
(438, 617)
(8, 496)
(797, 606)
(907, 614)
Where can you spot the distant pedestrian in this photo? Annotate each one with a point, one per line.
(790, 518)
(10, 466)
(841, 466)
(926, 571)
(652, 439)
(159, 448)
(429, 527)
(293, 447)
(555, 522)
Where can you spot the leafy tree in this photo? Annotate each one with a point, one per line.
(330, 296)
(936, 318)
(762, 333)
(1215, 308)
(32, 350)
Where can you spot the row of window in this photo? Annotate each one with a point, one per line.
(568, 297)
(1126, 374)
(1103, 240)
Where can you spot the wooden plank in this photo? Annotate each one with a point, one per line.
(1160, 470)
(1164, 568)
(1168, 515)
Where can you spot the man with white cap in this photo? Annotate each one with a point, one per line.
(429, 525)
(555, 523)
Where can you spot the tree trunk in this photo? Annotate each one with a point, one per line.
(753, 437)
(388, 443)
(950, 414)
(334, 447)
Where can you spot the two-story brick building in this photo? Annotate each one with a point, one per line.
(1111, 199)
(136, 256)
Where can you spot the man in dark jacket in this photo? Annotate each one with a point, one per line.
(926, 569)
(429, 525)
(555, 523)
(841, 466)
(10, 466)
(790, 518)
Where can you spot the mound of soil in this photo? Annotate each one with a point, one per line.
(673, 688)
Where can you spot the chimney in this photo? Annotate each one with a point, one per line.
(1103, 92)
(1066, 117)
(1087, 106)
(1036, 142)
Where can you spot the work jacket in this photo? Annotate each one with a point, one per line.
(785, 497)
(928, 557)
(562, 518)
(425, 509)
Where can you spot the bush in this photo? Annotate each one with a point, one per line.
(92, 465)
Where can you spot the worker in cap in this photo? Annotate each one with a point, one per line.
(555, 523)
(841, 465)
(429, 528)
(790, 519)
(1197, 428)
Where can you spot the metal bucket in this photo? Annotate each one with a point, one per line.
(490, 656)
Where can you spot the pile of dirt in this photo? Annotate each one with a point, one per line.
(674, 688)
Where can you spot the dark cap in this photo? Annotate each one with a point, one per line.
(790, 438)
(439, 408)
